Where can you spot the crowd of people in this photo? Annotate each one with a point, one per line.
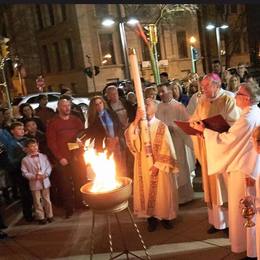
(41, 170)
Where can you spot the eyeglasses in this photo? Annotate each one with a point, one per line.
(241, 94)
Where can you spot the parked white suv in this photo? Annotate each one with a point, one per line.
(53, 98)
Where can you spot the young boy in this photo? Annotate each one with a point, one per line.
(14, 143)
(256, 140)
(31, 131)
(37, 169)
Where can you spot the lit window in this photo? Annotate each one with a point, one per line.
(107, 49)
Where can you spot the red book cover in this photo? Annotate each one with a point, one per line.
(216, 123)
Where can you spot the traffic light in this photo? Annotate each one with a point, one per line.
(89, 71)
(5, 48)
(153, 33)
(195, 54)
(146, 32)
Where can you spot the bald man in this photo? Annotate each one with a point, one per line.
(62, 129)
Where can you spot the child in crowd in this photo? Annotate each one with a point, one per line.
(256, 140)
(37, 169)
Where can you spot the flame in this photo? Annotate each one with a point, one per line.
(103, 167)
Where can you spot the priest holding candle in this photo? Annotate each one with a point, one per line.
(155, 189)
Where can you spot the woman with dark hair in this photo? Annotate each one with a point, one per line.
(26, 111)
(105, 127)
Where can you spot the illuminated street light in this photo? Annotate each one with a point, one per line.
(132, 22)
(223, 27)
(192, 39)
(108, 22)
(210, 27)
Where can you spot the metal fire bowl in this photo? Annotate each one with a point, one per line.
(111, 201)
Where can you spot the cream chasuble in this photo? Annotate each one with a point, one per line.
(155, 196)
(168, 113)
(214, 187)
(194, 100)
(233, 152)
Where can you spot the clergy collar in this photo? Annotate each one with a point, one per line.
(152, 120)
(220, 93)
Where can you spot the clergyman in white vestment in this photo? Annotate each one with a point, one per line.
(168, 111)
(233, 152)
(155, 190)
(213, 102)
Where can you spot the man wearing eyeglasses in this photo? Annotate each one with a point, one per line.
(233, 152)
(213, 102)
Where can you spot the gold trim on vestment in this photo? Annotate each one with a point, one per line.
(157, 145)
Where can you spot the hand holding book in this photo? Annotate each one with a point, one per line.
(216, 123)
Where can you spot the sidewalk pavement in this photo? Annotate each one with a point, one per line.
(69, 239)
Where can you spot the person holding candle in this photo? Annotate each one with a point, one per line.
(155, 189)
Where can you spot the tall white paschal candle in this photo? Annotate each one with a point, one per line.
(136, 77)
(145, 134)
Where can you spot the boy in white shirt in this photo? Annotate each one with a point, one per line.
(37, 169)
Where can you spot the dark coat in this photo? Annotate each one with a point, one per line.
(97, 132)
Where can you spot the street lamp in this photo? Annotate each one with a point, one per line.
(217, 30)
(107, 22)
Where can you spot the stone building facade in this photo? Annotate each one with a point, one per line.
(60, 40)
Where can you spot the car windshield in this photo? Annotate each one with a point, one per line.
(17, 100)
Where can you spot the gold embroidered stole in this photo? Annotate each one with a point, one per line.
(157, 145)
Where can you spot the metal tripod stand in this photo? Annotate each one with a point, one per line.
(125, 251)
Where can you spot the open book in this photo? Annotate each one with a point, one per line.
(216, 123)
